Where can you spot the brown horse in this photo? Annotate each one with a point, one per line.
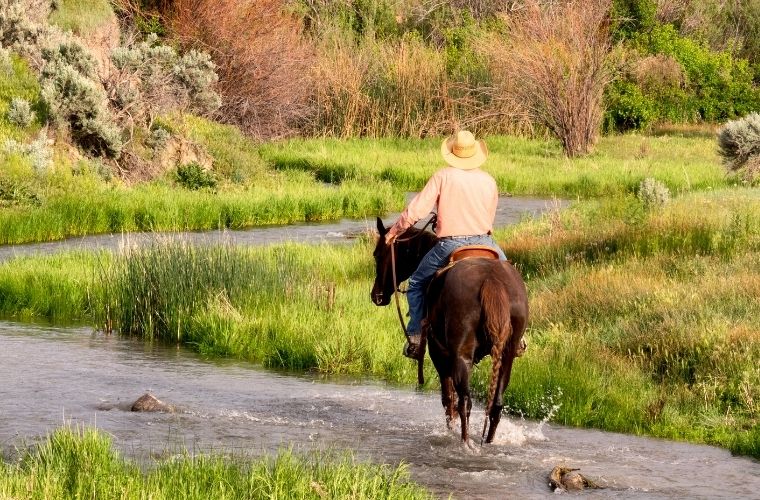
(478, 307)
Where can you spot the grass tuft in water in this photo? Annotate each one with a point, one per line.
(83, 463)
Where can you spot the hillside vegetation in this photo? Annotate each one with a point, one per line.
(111, 78)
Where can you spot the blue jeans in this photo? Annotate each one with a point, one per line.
(435, 259)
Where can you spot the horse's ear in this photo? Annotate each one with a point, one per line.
(381, 227)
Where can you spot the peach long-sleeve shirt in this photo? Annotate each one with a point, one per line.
(466, 201)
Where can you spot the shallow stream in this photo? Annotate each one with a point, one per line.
(510, 210)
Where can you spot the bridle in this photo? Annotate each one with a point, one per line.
(396, 291)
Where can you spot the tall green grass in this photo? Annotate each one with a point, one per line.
(659, 336)
(82, 463)
(73, 200)
(519, 165)
(314, 180)
(713, 223)
(83, 17)
(156, 207)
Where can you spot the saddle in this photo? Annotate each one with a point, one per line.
(468, 252)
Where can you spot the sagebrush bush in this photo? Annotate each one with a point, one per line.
(24, 28)
(154, 79)
(77, 102)
(158, 138)
(739, 141)
(653, 193)
(69, 54)
(6, 65)
(20, 112)
(193, 176)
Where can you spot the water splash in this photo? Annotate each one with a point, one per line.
(518, 432)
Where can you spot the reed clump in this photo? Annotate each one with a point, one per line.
(381, 90)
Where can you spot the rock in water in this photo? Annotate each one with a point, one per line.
(148, 402)
(568, 479)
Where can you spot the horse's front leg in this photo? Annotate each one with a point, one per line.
(448, 398)
(462, 370)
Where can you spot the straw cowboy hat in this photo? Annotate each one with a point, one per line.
(461, 150)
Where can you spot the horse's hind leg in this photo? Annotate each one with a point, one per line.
(462, 370)
(498, 402)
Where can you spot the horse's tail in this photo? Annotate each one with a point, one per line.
(494, 301)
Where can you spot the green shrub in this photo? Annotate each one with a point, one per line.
(719, 86)
(633, 16)
(193, 176)
(628, 108)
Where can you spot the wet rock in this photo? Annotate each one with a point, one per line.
(148, 402)
(568, 479)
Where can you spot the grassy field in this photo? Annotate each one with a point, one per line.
(324, 179)
(520, 166)
(76, 463)
(644, 320)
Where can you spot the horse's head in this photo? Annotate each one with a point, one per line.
(383, 288)
(409, 248)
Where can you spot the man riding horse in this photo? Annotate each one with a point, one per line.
(465, 198)
(476, 308)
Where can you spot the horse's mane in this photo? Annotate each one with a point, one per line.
(419, 238)
(414, 232)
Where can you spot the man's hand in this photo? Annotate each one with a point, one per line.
(389, 238)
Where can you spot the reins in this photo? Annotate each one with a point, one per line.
(423, 336)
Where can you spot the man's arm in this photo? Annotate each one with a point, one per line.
(420, 206)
